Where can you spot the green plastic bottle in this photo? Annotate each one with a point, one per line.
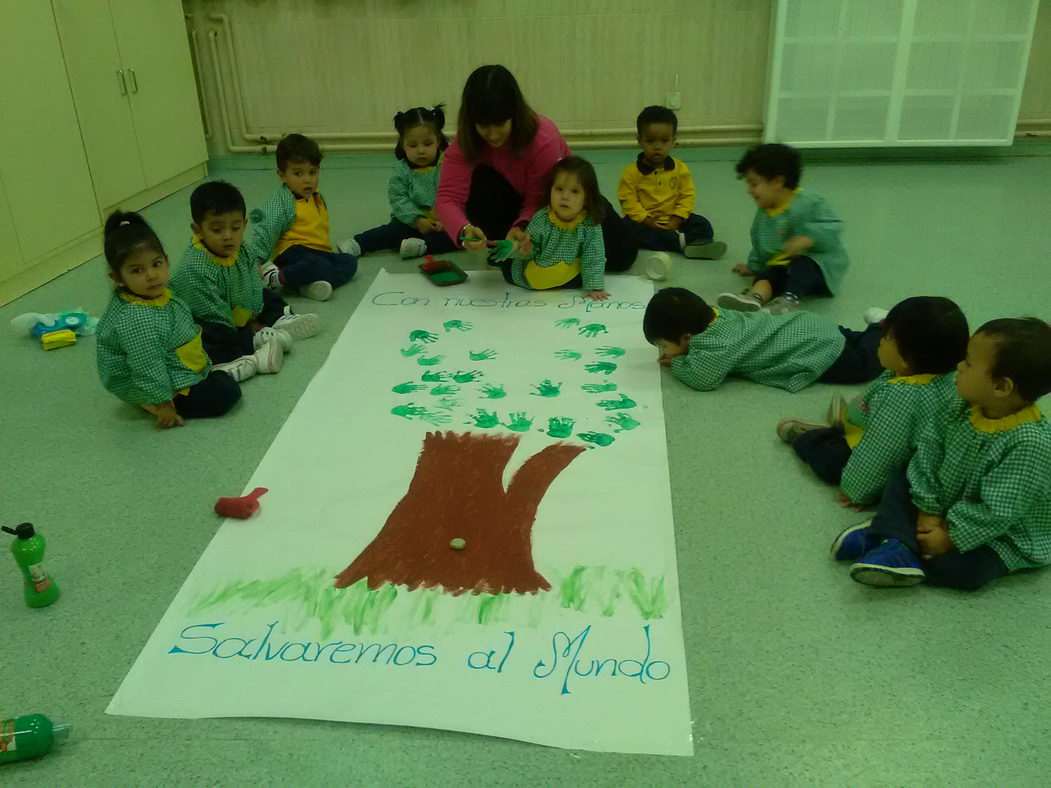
(30, 736)
(28, 550)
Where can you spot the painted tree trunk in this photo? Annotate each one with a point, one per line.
(457, 492)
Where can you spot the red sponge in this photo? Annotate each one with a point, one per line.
(241, 508)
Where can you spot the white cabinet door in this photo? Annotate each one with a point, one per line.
(151, 37)
(42, 161)
(10, 254)
(100, 93)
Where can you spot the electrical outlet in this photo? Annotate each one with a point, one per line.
(674, 100)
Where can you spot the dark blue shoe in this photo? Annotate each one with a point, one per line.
(855, 542)
(890, 565)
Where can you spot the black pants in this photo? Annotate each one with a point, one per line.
(801, 277)
(826, 451)
(858, 363)
(696, 228)
(493, 205)
(301, 265)
(505, 269)
(213, 396)
(896, 518)
(224, 343)
(390, 236)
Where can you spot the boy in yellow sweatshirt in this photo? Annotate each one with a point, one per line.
(657, 194)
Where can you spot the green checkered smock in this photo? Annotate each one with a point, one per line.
(412, 191)
(787, 351)
(555, 241)
(224, 290)
(990, 479)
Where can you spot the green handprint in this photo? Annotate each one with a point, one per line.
(484, 418)
(568, 355)
(436, 377)
(408, 411)
(481, 355)
(610, 352)
(411, 350)
(621, 422)
(560, 427)
(434, 418)
(569, 322)
(467, 377)
(407, 387)
(598, 438)
(520, 422)
(449, 403)
(444, 389)
(419, 335)
(493, 391)
(592, 330)
(621, 403)
(598, 388)
(429, 361)
(459, 325)
(547, 389)
(605, 367)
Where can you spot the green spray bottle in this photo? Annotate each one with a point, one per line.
(30, 736)
(28, 550)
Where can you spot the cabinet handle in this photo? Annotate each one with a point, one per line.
(120, 81)
(134, 80)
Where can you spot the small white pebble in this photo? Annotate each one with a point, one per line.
(458, 544)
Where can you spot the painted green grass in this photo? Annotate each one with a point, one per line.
(304, 597)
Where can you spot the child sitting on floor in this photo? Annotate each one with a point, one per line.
(149, 349)
(414, 228)
(657, 193)
(975, 503)
(796, 248)
(703, 346)
(867, 443)
(293, 227)
(566, 235)
(219, 278)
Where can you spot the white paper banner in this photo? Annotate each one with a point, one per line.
(468, 527)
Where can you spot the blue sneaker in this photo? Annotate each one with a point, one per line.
(855, 542)
(890, 565)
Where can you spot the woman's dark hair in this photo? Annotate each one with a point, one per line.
(1023, 354)
(433, 118)
(675, 311)
(294, 148)
(124, 234)
(491, 96)
(581, 169)
(770, 160)
(931, 334)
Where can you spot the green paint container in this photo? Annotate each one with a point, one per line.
(28, 550)
(30, 736)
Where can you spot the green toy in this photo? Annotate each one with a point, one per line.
(28, 550)
(498, 250)
(30, 736)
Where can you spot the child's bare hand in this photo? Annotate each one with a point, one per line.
(935, 540)
(523, 243)
(425, 225)
(742, 269)
(651, 223)
(673, 223)
(167, 416)
(846, 503)
(663, 360)
(596, 295)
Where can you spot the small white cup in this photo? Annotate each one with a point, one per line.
(657, 266)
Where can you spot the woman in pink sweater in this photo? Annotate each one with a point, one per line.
(492, 179)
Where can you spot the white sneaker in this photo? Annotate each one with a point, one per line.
(299, 326)
(349, 246)
(316, 291)
(742, 302)
(269, 358)
(413, 247)
(874, 315)
(271, 276)
(240, 369)
(264, 335)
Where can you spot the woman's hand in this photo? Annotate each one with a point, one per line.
(523, 243)
(596, 295)
(476, 247)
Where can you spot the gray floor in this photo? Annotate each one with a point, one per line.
(796, 673)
